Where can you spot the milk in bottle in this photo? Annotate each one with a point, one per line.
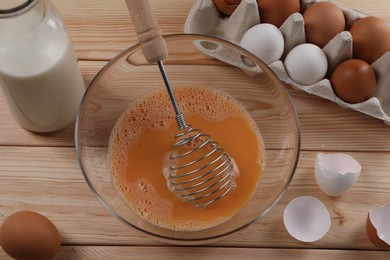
(39, 75)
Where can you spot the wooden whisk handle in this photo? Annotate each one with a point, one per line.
(149, 34)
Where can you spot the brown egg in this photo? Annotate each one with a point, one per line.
(323, 21)
(277, 11)
(373, 235)
(29, 235)
(224, 6)
(371, 38)
(353, 81)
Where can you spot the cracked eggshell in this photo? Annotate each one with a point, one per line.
(336, 173)
(306, 219)
(378, 228)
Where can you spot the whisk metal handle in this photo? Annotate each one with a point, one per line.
(149, 34)
(181, 122)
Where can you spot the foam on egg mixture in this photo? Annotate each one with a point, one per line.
(144, 134)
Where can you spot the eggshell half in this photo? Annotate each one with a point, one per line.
(336, 173)
(306, 219)
(378, 228)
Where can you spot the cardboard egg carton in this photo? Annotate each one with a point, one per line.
(205, 19)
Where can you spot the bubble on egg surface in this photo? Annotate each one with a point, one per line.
(378, 228)
(306, 64)
(306, 219)
(336, 173)
(29, 235)
(323, 21)
(265, 41)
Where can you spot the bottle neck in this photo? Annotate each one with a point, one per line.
(18, 16)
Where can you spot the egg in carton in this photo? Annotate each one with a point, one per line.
(204, 18)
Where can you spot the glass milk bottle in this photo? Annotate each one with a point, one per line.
(40, 79)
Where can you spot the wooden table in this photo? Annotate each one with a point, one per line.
(40, 172)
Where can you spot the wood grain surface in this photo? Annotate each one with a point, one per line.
(40, 172)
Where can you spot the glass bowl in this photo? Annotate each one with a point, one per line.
(193, 60)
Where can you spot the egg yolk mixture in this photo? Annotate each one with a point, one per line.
(144, 135)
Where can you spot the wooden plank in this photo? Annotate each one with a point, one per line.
(324, 125)
(200, 253)
(102, 29)
(327, 126)
(380, 8)
(48, 180)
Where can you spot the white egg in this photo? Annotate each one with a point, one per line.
(306, 219)
(306, 64)
(265, 41)
(336, 173)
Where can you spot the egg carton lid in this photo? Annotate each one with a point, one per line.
(204, 18)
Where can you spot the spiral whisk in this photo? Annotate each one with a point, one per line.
(198, 169)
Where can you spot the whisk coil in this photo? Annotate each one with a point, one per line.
(205, 178)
